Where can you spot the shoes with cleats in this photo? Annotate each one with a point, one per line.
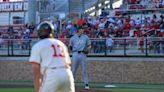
(86, 86)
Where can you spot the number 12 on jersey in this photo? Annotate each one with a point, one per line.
(58, 50)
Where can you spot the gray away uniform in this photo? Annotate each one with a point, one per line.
(78, 57)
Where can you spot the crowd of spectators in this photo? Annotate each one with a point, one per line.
(117, 27)
(18, 32)
(121, 27)
(101, 27)
(97, 28)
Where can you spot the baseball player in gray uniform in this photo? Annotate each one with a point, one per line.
(51, 62)
(80, 44)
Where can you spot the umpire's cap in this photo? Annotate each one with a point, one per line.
(44, 29)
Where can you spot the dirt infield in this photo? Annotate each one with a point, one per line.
(30, 86)
(90, 90)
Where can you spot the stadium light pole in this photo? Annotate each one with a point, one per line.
(82, 8)
(111, 4)
(97, 8)
(69, 8)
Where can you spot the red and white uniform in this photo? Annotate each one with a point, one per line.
(53, 56)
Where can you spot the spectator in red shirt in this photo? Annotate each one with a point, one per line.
(132, 1)
(81, 21)
(128, 19)
(127, 26)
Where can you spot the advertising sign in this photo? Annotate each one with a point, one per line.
(13, 6)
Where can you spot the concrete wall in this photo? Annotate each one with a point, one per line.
(110, 70)
(7, 18)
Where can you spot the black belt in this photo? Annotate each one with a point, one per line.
(78, 51)
(58, 67)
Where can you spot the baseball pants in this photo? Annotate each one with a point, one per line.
(58, 80)
(80, 58)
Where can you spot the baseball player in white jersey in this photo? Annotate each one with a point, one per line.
(51, 62)
(79, 44)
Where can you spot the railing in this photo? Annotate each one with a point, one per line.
(141, 7)
(152, 6)
(140, 47)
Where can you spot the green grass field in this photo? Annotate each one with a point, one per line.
(107, 89)
(100, 86)
(16, 90)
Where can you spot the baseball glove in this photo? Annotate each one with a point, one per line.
(86, 50)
